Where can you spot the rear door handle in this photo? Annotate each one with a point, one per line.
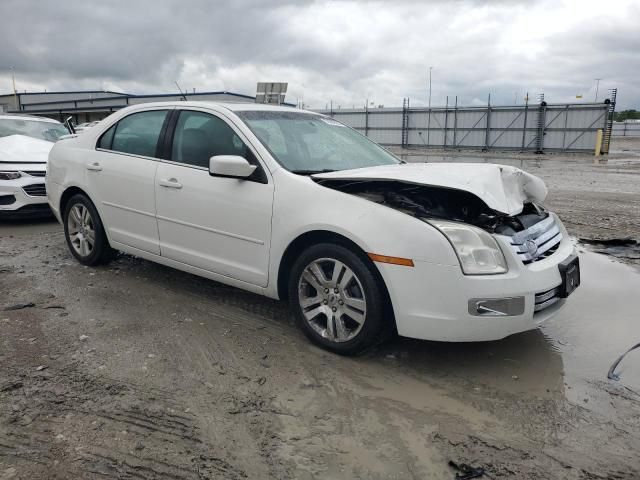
(170, 183)
(95, 166)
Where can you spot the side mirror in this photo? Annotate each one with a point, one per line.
(232, 166)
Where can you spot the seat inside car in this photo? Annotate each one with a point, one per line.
(196, 147)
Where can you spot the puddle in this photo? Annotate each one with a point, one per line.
(623, 248)
(600, 321)
(568, 356)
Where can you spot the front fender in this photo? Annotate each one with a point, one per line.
(302, 206)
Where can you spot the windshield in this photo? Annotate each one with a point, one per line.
(306, 143)
(49, 131)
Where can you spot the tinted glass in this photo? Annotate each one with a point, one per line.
(139, 133)
(106, 139)
(307, 143)
(200, 136)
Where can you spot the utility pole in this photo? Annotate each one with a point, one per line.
(597, 87)
(429, 118)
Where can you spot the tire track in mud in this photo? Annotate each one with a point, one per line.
(108, 425)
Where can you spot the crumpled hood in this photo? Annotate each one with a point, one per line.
(503, 188)
(24, 149)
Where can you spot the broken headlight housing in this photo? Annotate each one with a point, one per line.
(10, 175)
(477, 250)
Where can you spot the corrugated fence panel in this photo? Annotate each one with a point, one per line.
(386, 137)
(518, 127)
(384, 120)
(354, 120)
(626, 129)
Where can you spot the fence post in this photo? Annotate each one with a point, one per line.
(524, 125)
(429, 127)
(455, 122)
(446, 119)
(486, 136)
(564, 132)
(542, 110)
(405, 123)
(366, 119)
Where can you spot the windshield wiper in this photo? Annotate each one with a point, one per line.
(312, 172)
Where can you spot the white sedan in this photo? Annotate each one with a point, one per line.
(294, 205)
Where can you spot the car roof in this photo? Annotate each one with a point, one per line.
(232, 106)
(19, 116)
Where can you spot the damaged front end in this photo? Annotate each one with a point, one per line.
(533, 233)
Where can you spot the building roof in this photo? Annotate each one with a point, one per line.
(106, 101)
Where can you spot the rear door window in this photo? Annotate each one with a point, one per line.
(138, 134)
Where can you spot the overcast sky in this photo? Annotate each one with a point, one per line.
(344, 51)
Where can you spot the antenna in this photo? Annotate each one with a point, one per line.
(180, 90)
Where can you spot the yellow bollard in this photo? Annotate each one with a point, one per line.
(598, 142)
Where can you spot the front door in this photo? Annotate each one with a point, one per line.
(222, 225)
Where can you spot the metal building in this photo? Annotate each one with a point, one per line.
(87, 106)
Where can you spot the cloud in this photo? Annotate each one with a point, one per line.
(340, 51)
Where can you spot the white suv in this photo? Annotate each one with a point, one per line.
(294, 205)
(25, 142)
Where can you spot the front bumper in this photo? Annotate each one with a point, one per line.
(23, 197)
(431, 301)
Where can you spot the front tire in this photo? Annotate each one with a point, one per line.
(337, 300)
(84, 232)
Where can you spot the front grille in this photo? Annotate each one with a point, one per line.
(35, 190)
(34, 173)
(546, 299)
(538, 241)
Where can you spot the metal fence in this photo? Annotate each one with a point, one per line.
(536, 127)
(626, 129)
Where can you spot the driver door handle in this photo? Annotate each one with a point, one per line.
(170, 183)
(95, 167)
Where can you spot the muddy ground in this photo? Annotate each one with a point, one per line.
(134, 370)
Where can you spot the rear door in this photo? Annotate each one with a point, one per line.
(121, 178)
(222, 225)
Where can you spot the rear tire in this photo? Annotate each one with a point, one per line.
(84, 232)
(337, 300)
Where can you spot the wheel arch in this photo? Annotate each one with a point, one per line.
(67, 194)
(314, 237)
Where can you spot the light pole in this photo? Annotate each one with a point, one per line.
(429, 118)
(597, 86)
(15, 92)
(430, 68)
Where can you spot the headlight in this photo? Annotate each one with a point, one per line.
(10, 175)
(478, 252)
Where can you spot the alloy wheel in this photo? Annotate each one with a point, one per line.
(81, 230)
(332, 299)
